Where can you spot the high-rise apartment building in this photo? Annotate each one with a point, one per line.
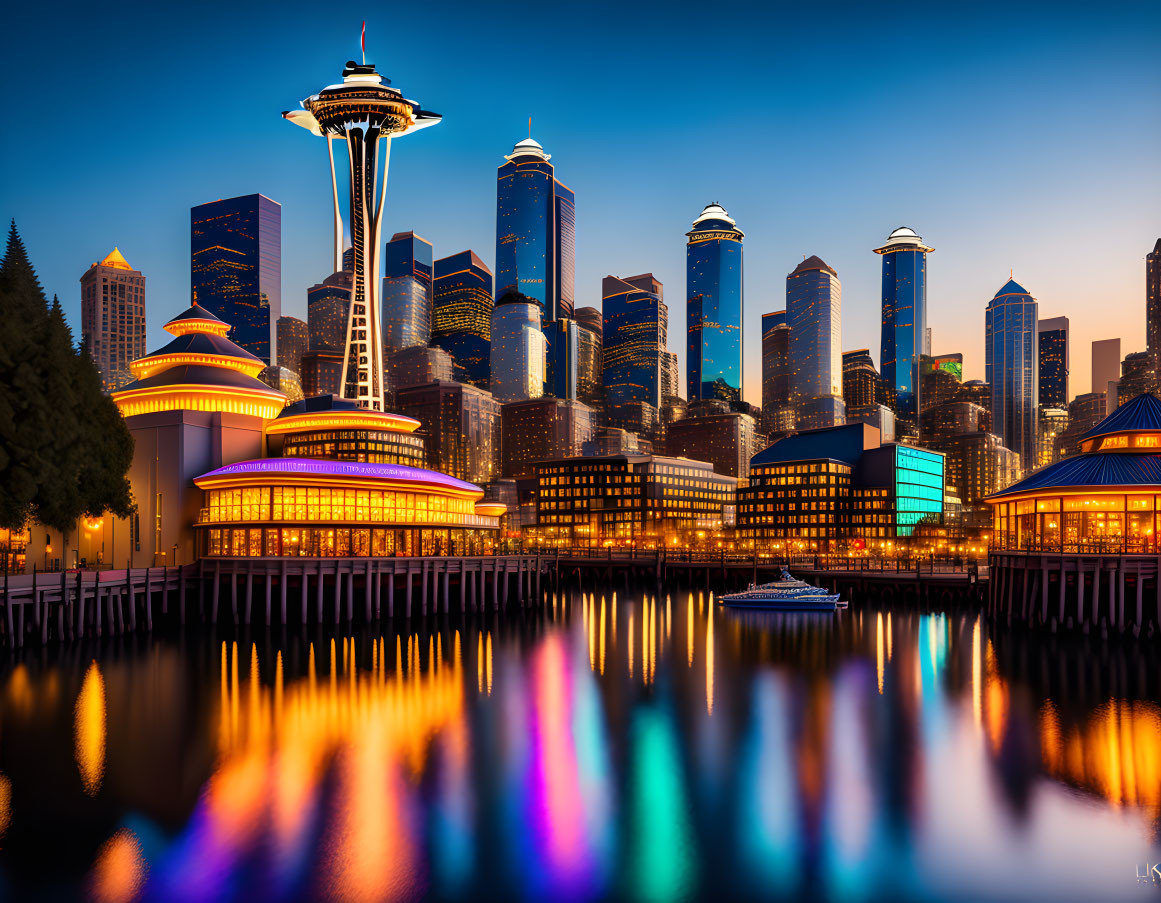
(713, 312)
(860, 379)
(904, 319)
(1052, 336)
(407, 290)
(461, 428)
(814, 311)
(635, 329)
(777, 409)
(236, 267)
(113, 318)
(322, 373)
(328, 310)
(542, 429)
(462, 314)
(726, 439)
(1138, 375)
(1153, 301)
(293, 341)
(1106, 365)
(519, 349)
(1010, 358)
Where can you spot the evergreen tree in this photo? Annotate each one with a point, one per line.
(24, 319)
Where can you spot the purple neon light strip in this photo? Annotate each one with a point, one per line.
(354, 469)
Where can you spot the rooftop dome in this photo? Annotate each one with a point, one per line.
(330, 412)
(903, 239)
(1012, 287)
(1142, 414)
(714, 211)
(115, 260)
(529, 147)
(814, 262)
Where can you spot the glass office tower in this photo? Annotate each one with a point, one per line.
(1052, 337)
(462, 314)
(1010, 359)
(535, 231)
(519, 350)
(814, 311)
(904, 320)
(236, 267)
(777, 411)
(635, 326)
(713, 307)
(1153, 302)
(407, 290)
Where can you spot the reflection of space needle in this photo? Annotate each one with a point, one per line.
(361, 111)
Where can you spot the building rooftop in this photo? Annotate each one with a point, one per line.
(903, 239)
(115, 260)
(1012, 287)
(306, 470)
(813, 263)
(529, 147)
(841, 443)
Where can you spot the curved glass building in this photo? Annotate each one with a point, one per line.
(814, 312)
(713, 312)
(1010, 359)
(904, 319)
(519, 350)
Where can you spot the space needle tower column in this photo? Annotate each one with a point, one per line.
(364, 112)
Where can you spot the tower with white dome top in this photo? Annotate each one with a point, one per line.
(904, 318)
(713, 306)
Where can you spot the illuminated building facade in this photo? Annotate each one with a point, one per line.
(1138, 374)
(904, 320)
(113, 318)
(293, 340)
(1053, 423)
(978, 464)
(1012, 370)
(285, 381)
(462, 315)
(777, 409)
(1052, 337)
(236, 267)
(535, 231)
(461, 425)
(1103, 500)
(814, 312)
(611, 440)
(519, 350)
(1084, 413)
(860, 379)
(590, 387)
(328, 309)
(713, 312)
(362, 112)
(822, 488)
(1153, 302)
(340, 430)
(670, 376)
(417, 366)
(635, 331)
(726, 439)
(407, 292)
(322, 373)
(639, 500)
(542, 429)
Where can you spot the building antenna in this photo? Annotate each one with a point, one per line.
(529, 126)
(363, 42)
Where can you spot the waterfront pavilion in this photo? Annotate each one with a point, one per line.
(1105, 500)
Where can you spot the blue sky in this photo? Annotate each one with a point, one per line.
(1011, 136)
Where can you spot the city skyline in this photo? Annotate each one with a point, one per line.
(959, 179)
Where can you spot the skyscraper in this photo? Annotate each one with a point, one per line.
(904, 319)
(113, 318)
(1010, 348)
(328, 308)
(860, 379)
(462, 314)
(814, 312)
(635, 329)
(1153, 301)
(1052, 336)
(519, 349)
(590, 357)
(777, 410)
(236, 267)
(293, 338)
(535, 231)
(407, 291)
(361, 112)
(713, 306)
(1106, 364)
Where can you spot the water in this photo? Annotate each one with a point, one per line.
(629, 748)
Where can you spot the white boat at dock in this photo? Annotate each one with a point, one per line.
(784, 594)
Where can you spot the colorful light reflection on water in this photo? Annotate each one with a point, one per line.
(659, 749)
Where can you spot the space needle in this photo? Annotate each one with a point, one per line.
(363, 111)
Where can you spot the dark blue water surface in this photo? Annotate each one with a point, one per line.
(638, 748)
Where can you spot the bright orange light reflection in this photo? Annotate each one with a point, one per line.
(120, 869)
(89, 730)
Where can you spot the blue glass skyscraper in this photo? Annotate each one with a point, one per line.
(634, 328)
(407, 291)
(1011, 362)
(462, 315)
(236, 267)
(814, 312)
(904, 320)
(713, 311)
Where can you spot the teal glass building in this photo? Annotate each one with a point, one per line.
(236, 267)
(904, 320)
(1011, 362)
(713, 312)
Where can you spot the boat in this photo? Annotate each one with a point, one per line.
(784, 594)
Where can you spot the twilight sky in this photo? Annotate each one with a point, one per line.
(1011, 136)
